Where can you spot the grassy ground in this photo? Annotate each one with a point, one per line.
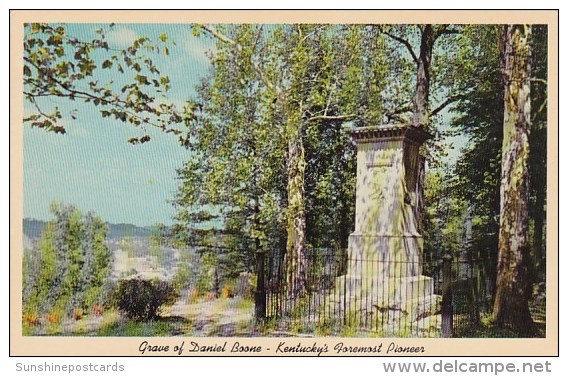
(218, 317)
(486, 329)
(161, 327)
(227, 317)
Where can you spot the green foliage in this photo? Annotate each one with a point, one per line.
(208, 278)
(538, 151)
(478, 170)
(140, 299)
(60, 65)
(479, 117)
(116, 326)
(236, 152)
(70, 269)
(444, 216)
(158, 239)
(273, 87)
(184, 274)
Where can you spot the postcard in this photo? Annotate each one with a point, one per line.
(284, 183)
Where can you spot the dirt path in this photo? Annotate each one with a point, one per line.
(223, 317)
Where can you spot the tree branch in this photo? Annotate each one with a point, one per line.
(331, 117)
(539, 80)
(443, 30)
(221, 37)
(225, 39)
(540, 109)
(117, 103)
(405, 108)
(74, 40)
(404, 42)
(445, 103)
(40, 111)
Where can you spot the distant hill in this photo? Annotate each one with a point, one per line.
(121, 230)
(34, 227)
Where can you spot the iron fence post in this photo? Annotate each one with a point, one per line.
(447, 309)
(260, 293)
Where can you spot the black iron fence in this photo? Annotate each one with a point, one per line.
(382, 295)
(339, 294)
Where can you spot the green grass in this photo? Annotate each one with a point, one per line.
(161, 327)
(244, 303)
(111, 324)
(28, 329)
(488, 330)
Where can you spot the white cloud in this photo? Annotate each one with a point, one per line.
(122, 37)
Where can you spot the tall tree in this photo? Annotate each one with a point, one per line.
(420, 101)
(235, 161)
(71, 268)
(428, 66)
(511, 300)
(479, 118)
(303, 73)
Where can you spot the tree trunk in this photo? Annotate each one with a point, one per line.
(511, 301)
(420, 103)
(295, 259)
(260, 292)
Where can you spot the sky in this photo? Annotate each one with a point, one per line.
(93, 166)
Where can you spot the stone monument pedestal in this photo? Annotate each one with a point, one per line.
(384, 273)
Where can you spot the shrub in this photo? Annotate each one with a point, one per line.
(207, 279)
(244, 286)
(78, 314)
(192, 296)
(31, 318)
(228, 290)
(141, 299)
(54, 317)
(97, 309)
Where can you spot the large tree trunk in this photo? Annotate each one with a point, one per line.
(295, 258)
(420, 107)
(511, 301)
(420, 102)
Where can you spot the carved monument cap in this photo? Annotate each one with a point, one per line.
(389, 132)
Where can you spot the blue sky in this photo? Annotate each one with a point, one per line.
(93, 166)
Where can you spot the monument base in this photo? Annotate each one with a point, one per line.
(408, 298)
(384, 282)
(384, 255)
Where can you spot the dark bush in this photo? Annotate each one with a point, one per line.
(141, 299)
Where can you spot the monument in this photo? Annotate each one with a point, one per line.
(383, 280)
